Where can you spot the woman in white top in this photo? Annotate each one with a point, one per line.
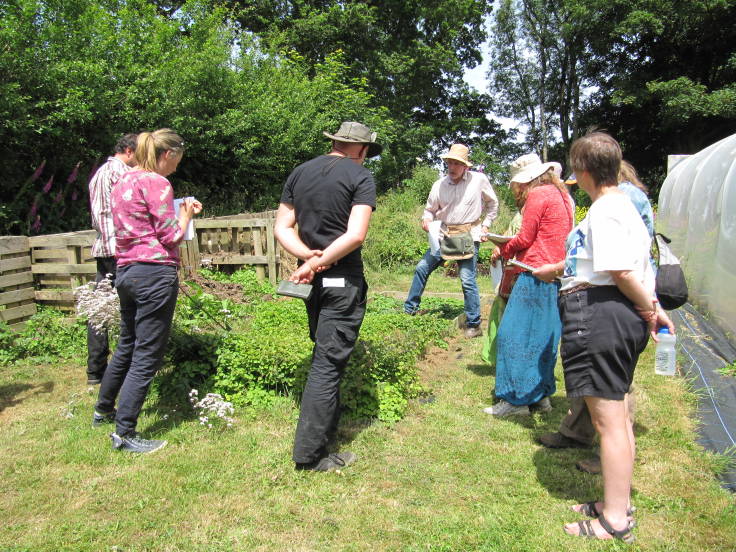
(608, 308)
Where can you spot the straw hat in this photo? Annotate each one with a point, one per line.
(528, 167)
(357, 133)
(458, 152)
(571, 180)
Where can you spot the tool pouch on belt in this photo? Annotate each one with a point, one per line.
(457, 242)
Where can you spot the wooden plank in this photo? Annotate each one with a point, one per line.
(19, 327)
(271, 253)
(237, 259)
(14, 264)
(83, 238)
(39, 254)
(62, 268)
(75, 258)
(196, 259)
(54, 295)
(13, 244)
(18, 295)
(10, 315)
(258, 250)
(16, 279)
(53, 282)
(232, 223)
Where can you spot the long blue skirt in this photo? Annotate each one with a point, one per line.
(527, 342)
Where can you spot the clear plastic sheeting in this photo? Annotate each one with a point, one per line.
(697, 210)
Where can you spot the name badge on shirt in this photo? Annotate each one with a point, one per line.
(333, 282)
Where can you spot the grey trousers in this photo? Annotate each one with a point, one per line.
(577, 424)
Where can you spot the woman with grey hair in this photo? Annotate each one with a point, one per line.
(608, 308)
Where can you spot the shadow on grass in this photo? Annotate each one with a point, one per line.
(483, 370)
(10, 392)
(557, 473)
(169, 415)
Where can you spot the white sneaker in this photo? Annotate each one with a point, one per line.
(503, 408)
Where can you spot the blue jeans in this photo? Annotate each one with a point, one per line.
(427, 265)
(147, 300)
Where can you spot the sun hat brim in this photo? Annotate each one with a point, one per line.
(373, 147)
(527, 174)
(445, 156)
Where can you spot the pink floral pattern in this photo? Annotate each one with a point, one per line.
(146, 227)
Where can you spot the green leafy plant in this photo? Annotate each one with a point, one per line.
(728, 369)
(49, 334)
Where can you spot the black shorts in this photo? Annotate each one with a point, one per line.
(602, 338)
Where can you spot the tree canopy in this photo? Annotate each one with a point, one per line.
(251, 85)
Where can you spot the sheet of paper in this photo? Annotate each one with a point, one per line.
(189, 234)
(434, 236)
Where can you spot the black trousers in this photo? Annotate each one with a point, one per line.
(98, 346)
(147, 300)
(335, 315)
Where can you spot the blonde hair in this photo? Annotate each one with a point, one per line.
(151, 145)
(627, 173)
(550, 177)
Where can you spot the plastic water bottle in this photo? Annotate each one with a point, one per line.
(664, 355)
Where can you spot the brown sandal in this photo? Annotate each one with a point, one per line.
(589, 509)
(585, 529)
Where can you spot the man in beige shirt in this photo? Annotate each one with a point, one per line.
(461, 197)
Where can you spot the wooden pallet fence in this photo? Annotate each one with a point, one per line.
(60, 263)
(235, 241)
(46, 269)
(17, 294)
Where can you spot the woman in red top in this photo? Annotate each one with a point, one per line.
(530, 328)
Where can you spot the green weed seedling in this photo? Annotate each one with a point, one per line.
(728, 369)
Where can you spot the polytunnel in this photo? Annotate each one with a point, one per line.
(697, 210)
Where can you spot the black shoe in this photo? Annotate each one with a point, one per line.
(557, 440)
(94, 381)
(331, 462)
(133, 443)
(101, 419)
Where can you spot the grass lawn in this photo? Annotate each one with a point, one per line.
(446, 478)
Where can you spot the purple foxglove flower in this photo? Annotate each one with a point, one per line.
(34, 209)
(38, 171)
(36, 226)
(75, 172)
(48, 185)
(58, 197)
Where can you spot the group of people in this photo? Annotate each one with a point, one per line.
(587, 287)
(590, 288)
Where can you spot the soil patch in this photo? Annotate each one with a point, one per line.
(222, 290)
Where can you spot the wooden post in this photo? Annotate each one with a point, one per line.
(271, 251)
(258, 251)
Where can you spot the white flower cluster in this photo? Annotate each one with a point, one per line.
(212, 408)
(99, 303)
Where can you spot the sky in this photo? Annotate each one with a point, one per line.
(476, 78)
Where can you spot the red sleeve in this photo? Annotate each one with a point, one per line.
(533, 209)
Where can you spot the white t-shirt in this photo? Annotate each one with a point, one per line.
(611, 237)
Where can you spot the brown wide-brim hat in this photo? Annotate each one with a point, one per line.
(357, 133)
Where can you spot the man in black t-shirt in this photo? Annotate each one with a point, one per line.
(330, 199)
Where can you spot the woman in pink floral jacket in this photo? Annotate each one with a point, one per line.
(148, 233)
